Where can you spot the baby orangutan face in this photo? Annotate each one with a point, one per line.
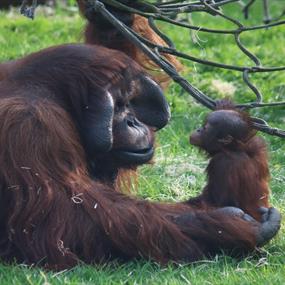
(221, 129)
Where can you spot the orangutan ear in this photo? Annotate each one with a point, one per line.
(226, 140)
(150, 104)
(96, 123)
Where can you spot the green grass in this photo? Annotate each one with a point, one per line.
(178, 171)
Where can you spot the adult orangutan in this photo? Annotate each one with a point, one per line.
(99, 31)
(71, 118)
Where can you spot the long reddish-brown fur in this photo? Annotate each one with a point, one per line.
(240, 178)
(52, 213)
(112, 38)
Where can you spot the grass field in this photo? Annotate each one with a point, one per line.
(178, 171)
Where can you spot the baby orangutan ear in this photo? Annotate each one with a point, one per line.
(226, 140)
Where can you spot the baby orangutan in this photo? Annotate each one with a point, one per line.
(238, 171)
